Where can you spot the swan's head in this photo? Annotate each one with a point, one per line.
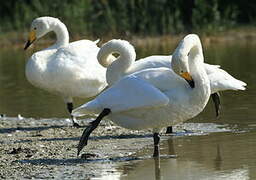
(39, 27)
(180, 66)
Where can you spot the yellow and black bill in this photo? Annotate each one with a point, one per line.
(189, 79)
(31, 39)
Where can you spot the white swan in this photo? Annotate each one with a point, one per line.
(154, 98)
(125, 64)
(67, 69)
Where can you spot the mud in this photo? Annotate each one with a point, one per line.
(46, 148)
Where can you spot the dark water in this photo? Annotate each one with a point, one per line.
(219, 155)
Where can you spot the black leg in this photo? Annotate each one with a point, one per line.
(90, 128)
(169, 130)
(70, 108)
(216, 101)
(156, 137)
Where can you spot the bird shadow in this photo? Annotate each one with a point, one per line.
(123, 136)
(39, 128)
(73, 161)
(93, 138)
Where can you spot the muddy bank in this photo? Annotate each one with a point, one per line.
(46, 148)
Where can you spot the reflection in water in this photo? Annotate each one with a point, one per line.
(217, 156)
(218, 159)
(157, 162)
(170, 146)
(157, 168)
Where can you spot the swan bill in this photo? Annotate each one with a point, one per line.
(189, 79)
(31, 39)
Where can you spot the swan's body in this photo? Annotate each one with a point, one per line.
(71, 71)
(67, 69)
(125, 64)
(155, 98)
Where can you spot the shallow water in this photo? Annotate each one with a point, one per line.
(225, 152)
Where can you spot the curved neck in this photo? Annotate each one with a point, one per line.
(191, 47)
(116, 67)
(61, 33)
(190, 54)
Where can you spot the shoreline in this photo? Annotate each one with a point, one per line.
(17, 40)
(46, 148)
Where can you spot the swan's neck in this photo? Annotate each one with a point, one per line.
(201, 91)
(189, 55)
(61, 33)
(116, 68)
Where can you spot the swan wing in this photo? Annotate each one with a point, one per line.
(80, 57)
(74, 70)
(85, 50)
(127, 94)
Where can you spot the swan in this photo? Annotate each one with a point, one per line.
(66, 69)
(125, 64)
(154, 98)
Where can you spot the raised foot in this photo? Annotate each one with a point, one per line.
(216, 101)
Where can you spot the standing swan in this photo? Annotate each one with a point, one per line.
(67, 69)
(125, 64)
(154, 98)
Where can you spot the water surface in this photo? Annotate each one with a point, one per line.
(215, 155)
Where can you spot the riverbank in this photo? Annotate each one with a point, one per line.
(16, 40)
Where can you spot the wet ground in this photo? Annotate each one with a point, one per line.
(46, 149)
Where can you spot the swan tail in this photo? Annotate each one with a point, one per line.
(221, 81)
(236, 84)
(233, 83)
(228, 84)
(92, 108)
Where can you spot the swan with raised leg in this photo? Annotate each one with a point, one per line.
(67, 69)
(154, 98)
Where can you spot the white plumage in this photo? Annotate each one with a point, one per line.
(129, 95)
(155, 98)
(125, 64)
(67, 69)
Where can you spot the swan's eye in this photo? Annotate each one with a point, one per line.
(181, 71)
(34, 28)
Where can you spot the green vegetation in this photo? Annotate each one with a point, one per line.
(130, 17)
